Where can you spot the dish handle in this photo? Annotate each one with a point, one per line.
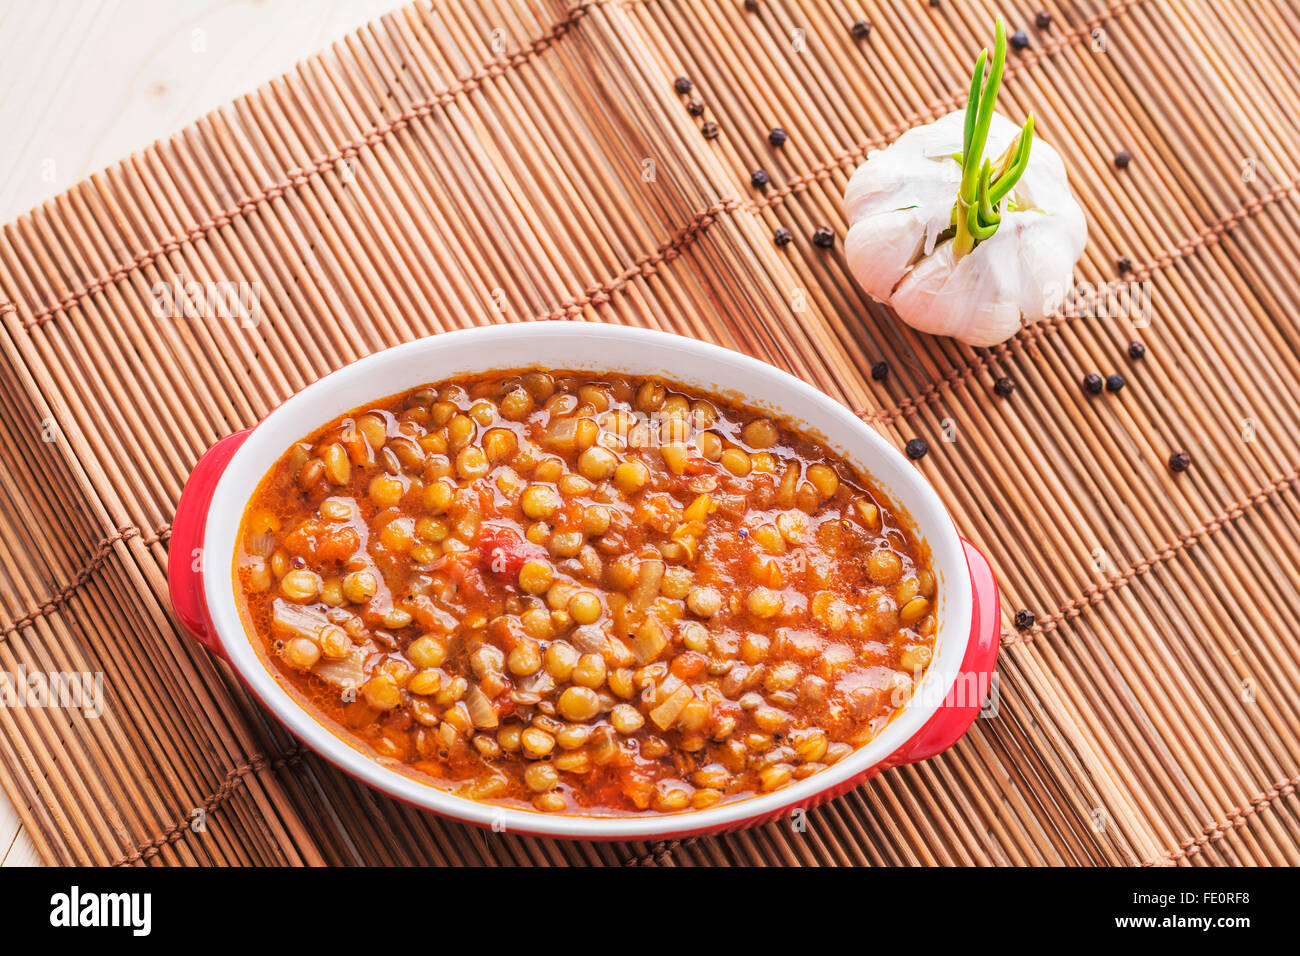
(185, 556)
(975, 679)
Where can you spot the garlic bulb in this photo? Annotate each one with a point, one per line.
(907, 248)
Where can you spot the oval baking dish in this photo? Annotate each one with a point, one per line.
(944, 701)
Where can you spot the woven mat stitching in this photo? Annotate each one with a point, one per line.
(1235, 819)
(1095, 593)
(101, 554)
(659, 853)
(300, 177)
(153, 846)
(645, 266)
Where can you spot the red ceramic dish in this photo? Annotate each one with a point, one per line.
(946, 700)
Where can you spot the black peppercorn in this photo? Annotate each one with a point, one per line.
(1124, 264)
(1093, 383)
(777, 136)
(1136, 350)
(1180, 461)
(782, 236)
(1043, 20)
(709, 129)
(759, 179)
(695, 106)
(1114, 382)
(823, 237)
(916, 449)
(1018, 40)
(1123, 158)
(1024, 619)
(861, 29)
(1003, 387)
(880, 371)
(682, 85)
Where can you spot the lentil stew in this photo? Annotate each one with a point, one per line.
(585, 593)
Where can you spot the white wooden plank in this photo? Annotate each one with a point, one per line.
(18, 851)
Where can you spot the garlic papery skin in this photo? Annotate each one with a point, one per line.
(899, 203)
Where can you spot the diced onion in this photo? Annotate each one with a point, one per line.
(649, 576)
(347, 673)
(294, 620)
(666, 714)
(480, 709)
(648, 641)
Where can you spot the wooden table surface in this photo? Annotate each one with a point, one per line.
(85, 84)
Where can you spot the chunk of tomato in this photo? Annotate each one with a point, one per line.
(502, 552)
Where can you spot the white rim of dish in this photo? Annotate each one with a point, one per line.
(386, 373)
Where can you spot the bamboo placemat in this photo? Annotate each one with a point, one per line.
(519, 160)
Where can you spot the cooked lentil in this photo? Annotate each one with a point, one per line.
(585, 593)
